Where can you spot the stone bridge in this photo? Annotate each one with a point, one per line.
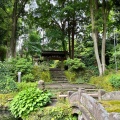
(88, 108)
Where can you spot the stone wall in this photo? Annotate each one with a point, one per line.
(115, 95)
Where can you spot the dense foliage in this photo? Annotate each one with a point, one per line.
(109, 82)
(74, 64)
(28, 101)
(7, 84)
(115, 81)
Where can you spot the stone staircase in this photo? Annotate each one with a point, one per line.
(58, 75)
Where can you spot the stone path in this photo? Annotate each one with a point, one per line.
(68, 86)
(64, 88)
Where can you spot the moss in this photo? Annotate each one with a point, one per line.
(102, 82)
(111, 105)
(6, 98)
(58, 112)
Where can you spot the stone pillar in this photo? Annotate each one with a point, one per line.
(41, 84)
(19, 77)
(81, 90)
(100, 93)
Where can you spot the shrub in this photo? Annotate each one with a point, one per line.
(23, 85)
(45, 75)
(28, 101)
(115, 81)
(74, 64)
(22, 65)
(7, 84)
(41, 72)
(102, 82)
(71, 76)
(36, 72)
(28, 78)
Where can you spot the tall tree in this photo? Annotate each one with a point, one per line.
(63, 17)
(99, 11)
(12, 10)
(18, 10)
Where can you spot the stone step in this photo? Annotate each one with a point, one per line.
(58, 75)
(59, 78)
(60, 81)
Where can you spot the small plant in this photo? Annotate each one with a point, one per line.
(115, 81)
(28, 77)
(29, 100)
(71, 76)
(74, 64)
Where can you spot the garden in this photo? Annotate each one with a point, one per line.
(87, 32)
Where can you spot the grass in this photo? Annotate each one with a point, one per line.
(111, 105)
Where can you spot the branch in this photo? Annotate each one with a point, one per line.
(56, 23)
(23, 2)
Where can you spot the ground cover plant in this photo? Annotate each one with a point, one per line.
(109, 82)
(29, 100)
(62, 111)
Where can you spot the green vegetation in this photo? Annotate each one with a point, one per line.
(5, 98)
(7, 84)
(111, 106)
(41, 72)
(62, 111)
(109, 82)
(29, 100)
(74, 64)
(115, 81)
(75, 26)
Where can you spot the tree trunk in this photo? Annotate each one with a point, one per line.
(14, 27)
(94, 36)
(72, 56)
(105, 16)
(69, 42)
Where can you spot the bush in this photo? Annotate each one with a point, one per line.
(28, 78)
(115, 81)
(41, 72)
(102, 82)
(7, 84)
(74, 64)
(23, 85)
(71, 76)
(22, 65)
(28, 101)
